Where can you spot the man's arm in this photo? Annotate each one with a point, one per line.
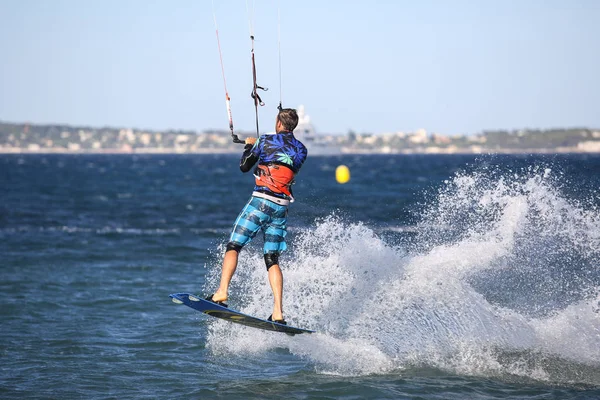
(249, 158)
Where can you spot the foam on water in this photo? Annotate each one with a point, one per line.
(501, 279)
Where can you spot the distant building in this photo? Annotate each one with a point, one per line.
(420, 136)
(589, 146)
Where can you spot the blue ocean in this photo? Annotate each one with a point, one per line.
(425, 277)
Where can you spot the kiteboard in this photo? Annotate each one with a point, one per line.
(218, 311)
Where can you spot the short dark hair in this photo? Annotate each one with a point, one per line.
(288, 118)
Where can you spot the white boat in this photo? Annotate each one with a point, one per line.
(305, 130)
(307, 134)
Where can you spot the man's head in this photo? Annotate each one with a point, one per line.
(287, 119)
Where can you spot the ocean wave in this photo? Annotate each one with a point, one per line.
(501, 280)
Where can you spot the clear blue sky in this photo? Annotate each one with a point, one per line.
(459, 66)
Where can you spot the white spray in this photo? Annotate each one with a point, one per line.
(502, 279)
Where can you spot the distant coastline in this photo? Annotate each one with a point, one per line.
(22, 138)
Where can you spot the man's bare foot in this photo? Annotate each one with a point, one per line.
(219, 296)
(278, 320)
(215, 299)
(277, 314)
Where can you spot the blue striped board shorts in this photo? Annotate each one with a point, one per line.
(265, 215)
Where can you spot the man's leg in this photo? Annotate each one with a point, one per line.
(275, 244)
(229, 266)
(276, 281)
(244, 229)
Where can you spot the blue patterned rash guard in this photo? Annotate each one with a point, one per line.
(279, 158)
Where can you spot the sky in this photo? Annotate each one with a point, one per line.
(447, 66)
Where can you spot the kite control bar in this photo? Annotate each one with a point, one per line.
(236, 139)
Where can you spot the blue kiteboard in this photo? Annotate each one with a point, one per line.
(215, 310)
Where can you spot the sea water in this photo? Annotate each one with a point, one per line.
(432, 277)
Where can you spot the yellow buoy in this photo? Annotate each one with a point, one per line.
(342, 174)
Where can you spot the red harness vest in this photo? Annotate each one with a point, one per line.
(277, 178)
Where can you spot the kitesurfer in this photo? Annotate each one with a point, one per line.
(279, 157)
